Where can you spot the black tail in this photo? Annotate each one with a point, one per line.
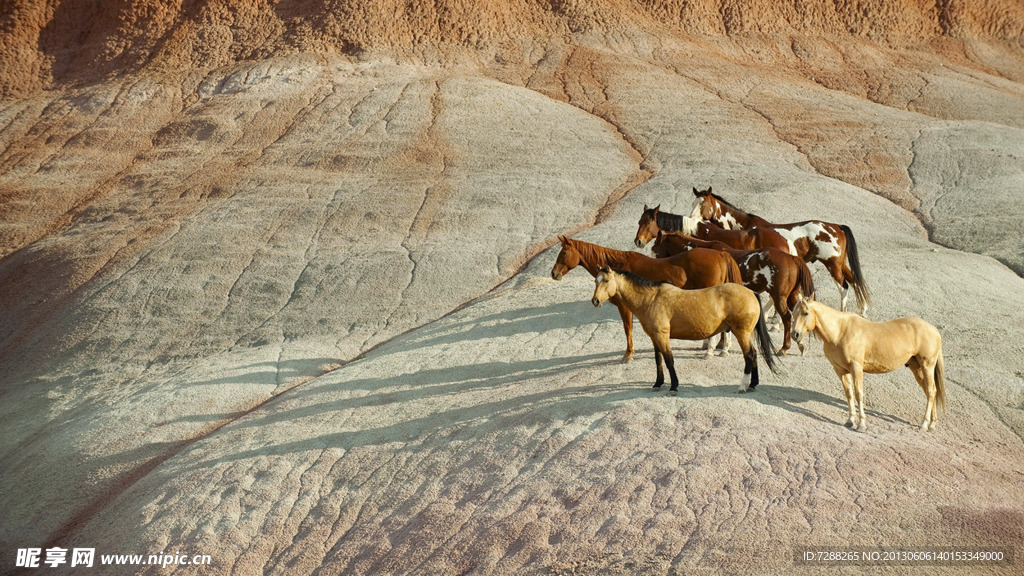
(805, 281)
(764, 341)
(860, 287)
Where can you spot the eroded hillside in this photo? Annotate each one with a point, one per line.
(275, 280)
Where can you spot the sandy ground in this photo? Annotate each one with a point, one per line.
(297, 314)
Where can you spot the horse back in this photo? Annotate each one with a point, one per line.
(890, 345)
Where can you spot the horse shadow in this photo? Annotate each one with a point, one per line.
(790, 398)
(464, 422)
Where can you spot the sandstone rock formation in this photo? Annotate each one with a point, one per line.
(275, 280)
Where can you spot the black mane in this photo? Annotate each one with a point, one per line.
(669, 222)
(639, 279)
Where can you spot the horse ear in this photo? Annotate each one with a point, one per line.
(708, 191)
(695, 192)
(605, 269)
(657, 208)
(646, 208)
(563, 239)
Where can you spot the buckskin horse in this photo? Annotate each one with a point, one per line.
(781, 275)
(667, 312)
(695, 269)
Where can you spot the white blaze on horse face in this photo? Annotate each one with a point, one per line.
(698, 204)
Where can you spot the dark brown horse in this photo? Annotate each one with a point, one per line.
(831, 244)
(783, 276)
(701, 268)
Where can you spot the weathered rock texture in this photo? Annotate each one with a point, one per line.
(275, 280)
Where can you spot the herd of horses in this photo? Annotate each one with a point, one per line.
(704, 279)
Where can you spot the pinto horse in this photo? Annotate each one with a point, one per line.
(695, 269)
(783, 276)
(666, 312)
(653, 219)
(854, 346)
(831, 244)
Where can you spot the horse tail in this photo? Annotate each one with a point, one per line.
(860, 287)
(804, 278)
(940, 387)
(732, 269)
(764, 341)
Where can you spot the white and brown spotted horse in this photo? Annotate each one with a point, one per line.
(831, 244)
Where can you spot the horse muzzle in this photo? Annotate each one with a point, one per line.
(595, 302)
(556, 275)
(638, 243)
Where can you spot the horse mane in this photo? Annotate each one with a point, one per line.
(640, 280)
(599, 255)
(669, 222)
(727, 203)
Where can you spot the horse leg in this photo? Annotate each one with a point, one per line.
(663, 351)
(750, 378)
(627, 326)
(790, 303)
(708, 350)
(724, 343)
(858, 382)
(787, 323)
(657, 362)
(925, 376)
(847, 381)
(671, 364)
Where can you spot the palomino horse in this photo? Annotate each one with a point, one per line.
(667, 312)
(695, 269)
(831, 244)
(783, 276)
(854, 346)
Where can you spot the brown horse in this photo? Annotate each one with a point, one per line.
(831, 244)
(695, 269)
(666, 312)
(783, 276)
(854, 346)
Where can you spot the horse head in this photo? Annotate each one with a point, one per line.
(648, 226)
(568, 258)
(713, 209)
(804, 320)
(705, 205)
(604, 286)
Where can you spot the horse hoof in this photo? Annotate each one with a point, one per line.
(673, 392)
(783, 351)
(723, 353)
(862, 428)
(626, 359)
(849, 424)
